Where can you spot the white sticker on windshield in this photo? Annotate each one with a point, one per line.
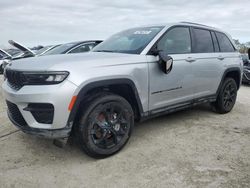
(142, 32)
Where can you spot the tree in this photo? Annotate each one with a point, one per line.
(242, 47)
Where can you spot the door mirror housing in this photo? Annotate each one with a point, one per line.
(165, 61)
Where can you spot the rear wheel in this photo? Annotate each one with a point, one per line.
(227, 96)
(105, 125)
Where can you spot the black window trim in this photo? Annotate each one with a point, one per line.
(213, 41)
(170, 28)
(192, 39)
(213, 32)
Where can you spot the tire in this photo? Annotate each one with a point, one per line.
(226, 97)
(105, 125)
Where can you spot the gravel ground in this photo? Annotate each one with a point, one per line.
(191, 148)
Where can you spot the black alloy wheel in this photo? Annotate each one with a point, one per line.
(105, 125)
(226, 97)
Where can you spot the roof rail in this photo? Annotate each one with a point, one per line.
(195, 24)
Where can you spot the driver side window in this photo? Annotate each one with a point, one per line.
(176, 41)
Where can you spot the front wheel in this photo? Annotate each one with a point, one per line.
(226, 97)
(105, 125)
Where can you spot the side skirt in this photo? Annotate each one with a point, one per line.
(177, 107)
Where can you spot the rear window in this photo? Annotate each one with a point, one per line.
(203, 41)
(224, 43)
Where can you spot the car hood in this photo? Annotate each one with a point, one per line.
(75, 62)
(21, 47)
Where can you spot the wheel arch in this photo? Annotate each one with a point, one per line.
(234, 73)
(123, 87)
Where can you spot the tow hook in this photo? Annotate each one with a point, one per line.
(61, 142)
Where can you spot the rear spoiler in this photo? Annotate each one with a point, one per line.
(6, 53)
(21, 47)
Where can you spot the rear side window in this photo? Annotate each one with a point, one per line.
(203, 41)
(215, 41)
(176, 41)
(224, 43)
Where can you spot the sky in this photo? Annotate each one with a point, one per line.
(34, 22)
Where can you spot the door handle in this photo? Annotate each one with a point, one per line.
(190, 59)
(220, 57)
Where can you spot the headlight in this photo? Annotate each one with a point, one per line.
(43, 78)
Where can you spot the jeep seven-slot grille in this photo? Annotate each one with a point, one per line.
(15, 79)
(15, 114)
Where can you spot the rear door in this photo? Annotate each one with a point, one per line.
(208, 64)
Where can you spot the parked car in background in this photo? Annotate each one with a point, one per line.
(134, 75)
(246, 69)
(74, 47)
(68, 48)
(25, 51)
(4, 56)
(245, 59)
(45, 49)
(12, 51)
(36, 48)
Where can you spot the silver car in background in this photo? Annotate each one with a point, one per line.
(134, 75)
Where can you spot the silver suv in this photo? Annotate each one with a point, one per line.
(134, 75)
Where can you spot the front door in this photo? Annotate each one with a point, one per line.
(176, 87)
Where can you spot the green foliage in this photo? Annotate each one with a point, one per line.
(242, 47)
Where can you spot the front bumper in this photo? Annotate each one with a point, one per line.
(58, 95)
(47, 133)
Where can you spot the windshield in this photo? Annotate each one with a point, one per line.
(60, 49)
(131, 41)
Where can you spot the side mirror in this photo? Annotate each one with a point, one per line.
(166, 62)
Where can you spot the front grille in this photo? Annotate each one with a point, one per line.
(15, 114)
(15, 79)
